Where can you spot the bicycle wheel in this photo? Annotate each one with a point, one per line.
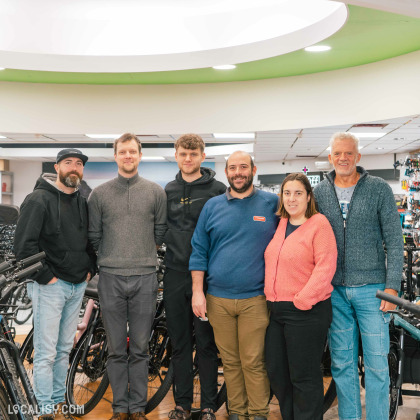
(20, 396)
(394, 392)
(330, 392)
(26, 354)
(221, 389)
(161, 372)
(5, 405)
(87, 379)
(20, 297)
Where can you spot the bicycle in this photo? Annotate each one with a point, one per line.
(404, 367)
(21, 299)
(17, 399)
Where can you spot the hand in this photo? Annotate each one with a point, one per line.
(198, 304)
(388, 306)
(88, 277)
(53, 280)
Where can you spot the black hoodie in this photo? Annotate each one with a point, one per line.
(185, 202)
(57, 223)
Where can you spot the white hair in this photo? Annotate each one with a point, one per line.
(344, 136)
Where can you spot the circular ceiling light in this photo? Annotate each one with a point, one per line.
(225, 67)
(123, 36)
(318, 48)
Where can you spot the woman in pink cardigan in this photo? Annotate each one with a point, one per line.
(300, 262)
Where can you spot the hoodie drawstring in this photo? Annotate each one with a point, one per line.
(79, 204)
(59, 213)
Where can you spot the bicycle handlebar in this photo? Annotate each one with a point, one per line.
(402, 303)
(6, 265)
(9, 282)
(26, 272)
(31, 260)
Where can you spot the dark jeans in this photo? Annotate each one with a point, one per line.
(294, 345)
(128, 300)
(181, 321)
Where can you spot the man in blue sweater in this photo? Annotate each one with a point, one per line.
(228, 244)
(363, 215)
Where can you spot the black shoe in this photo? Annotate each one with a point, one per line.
(179, 413)
(207, 414)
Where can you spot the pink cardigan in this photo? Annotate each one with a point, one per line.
(300, 268)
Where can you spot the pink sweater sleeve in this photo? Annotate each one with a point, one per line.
(325, 257)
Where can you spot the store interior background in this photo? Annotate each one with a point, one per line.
(369, 82)
(293, 114)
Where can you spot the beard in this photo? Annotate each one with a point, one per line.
(71, 180)
(248, 183)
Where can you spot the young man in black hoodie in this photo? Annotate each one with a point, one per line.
(54, 219)
(192, 187)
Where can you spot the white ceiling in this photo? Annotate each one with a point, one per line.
(122, 36)
(398, 135)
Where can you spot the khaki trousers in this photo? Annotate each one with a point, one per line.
(239, 330)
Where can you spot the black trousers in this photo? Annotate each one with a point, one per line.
(181, 323)
(294, 345)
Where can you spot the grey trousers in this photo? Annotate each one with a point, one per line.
(128, 301)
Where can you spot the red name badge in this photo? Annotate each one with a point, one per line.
(259, 218)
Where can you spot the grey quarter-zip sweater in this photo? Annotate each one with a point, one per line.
(127, 219)
(372, 222)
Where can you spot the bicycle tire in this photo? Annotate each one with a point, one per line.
(221, 397)
(394, 392)
(161, 392)
(20, 297)
(161, 371)
(330, 391)
(26, 353)
(87, 380)
(22, 400)
(5, 405)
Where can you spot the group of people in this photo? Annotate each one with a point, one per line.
(259, 278)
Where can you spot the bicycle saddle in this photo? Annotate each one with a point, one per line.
(92, 288)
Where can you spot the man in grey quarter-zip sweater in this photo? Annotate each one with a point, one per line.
(364, 217)
(127, 219)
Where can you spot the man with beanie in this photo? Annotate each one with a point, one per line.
(187, 194)
(127, 218)
(54, 219)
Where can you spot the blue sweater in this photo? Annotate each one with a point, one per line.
(372, 221)
(229, 243)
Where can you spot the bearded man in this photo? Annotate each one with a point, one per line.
(228, 244)
(54, 219)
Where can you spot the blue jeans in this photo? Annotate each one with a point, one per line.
(56, 312)
(357, 309)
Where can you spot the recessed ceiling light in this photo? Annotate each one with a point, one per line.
(152, 158)
(2, 137)
(368, 135)
(227, 157)
(360, 147)
(379, 148)
(234, 135)
(318, 48)
(103, 136)
(225, 67)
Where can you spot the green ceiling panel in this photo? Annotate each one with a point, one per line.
(368, 36)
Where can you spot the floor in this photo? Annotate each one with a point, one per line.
(104, 409)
